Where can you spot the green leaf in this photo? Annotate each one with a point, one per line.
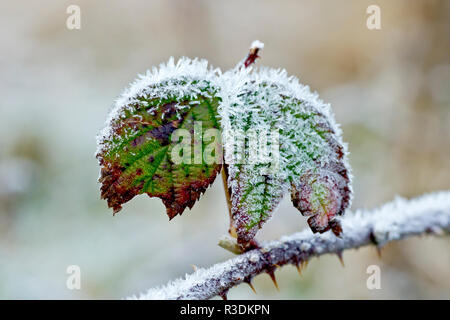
(138, 146)
(307, 158)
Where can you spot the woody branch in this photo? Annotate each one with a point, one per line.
(428, 214)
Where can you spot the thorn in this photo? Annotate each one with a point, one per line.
(299, 269)
(252, 287)
(297, 263)
(341, 259)
(271, 273)
(223, 295)
(194, 267)
(304, 264)
(249, 282)
(373, 239)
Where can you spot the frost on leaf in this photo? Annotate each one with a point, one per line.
(134, 150)
(307, 158)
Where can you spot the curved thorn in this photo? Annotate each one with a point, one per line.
(299, 269)
(304, 264)
(271, 273)
(341, 259)
(249, 282)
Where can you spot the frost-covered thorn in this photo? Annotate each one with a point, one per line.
(374, 240)
(298, 267)
(248, 280)
(341, 259)
(299, 270)
(372, 237)
(303, 266)
(297, 262)
(271, 273)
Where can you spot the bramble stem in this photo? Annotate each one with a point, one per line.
(428, 214)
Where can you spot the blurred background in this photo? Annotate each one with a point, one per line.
(389, 88)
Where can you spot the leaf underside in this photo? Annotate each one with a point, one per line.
(136, 158)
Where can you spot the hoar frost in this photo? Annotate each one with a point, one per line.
(262, 112)
(311, 159)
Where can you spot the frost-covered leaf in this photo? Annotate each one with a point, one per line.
(310, 160)
(324, 193)
(278, 138)
(135, 148)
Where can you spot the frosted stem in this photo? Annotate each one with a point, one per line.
(401, 218)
